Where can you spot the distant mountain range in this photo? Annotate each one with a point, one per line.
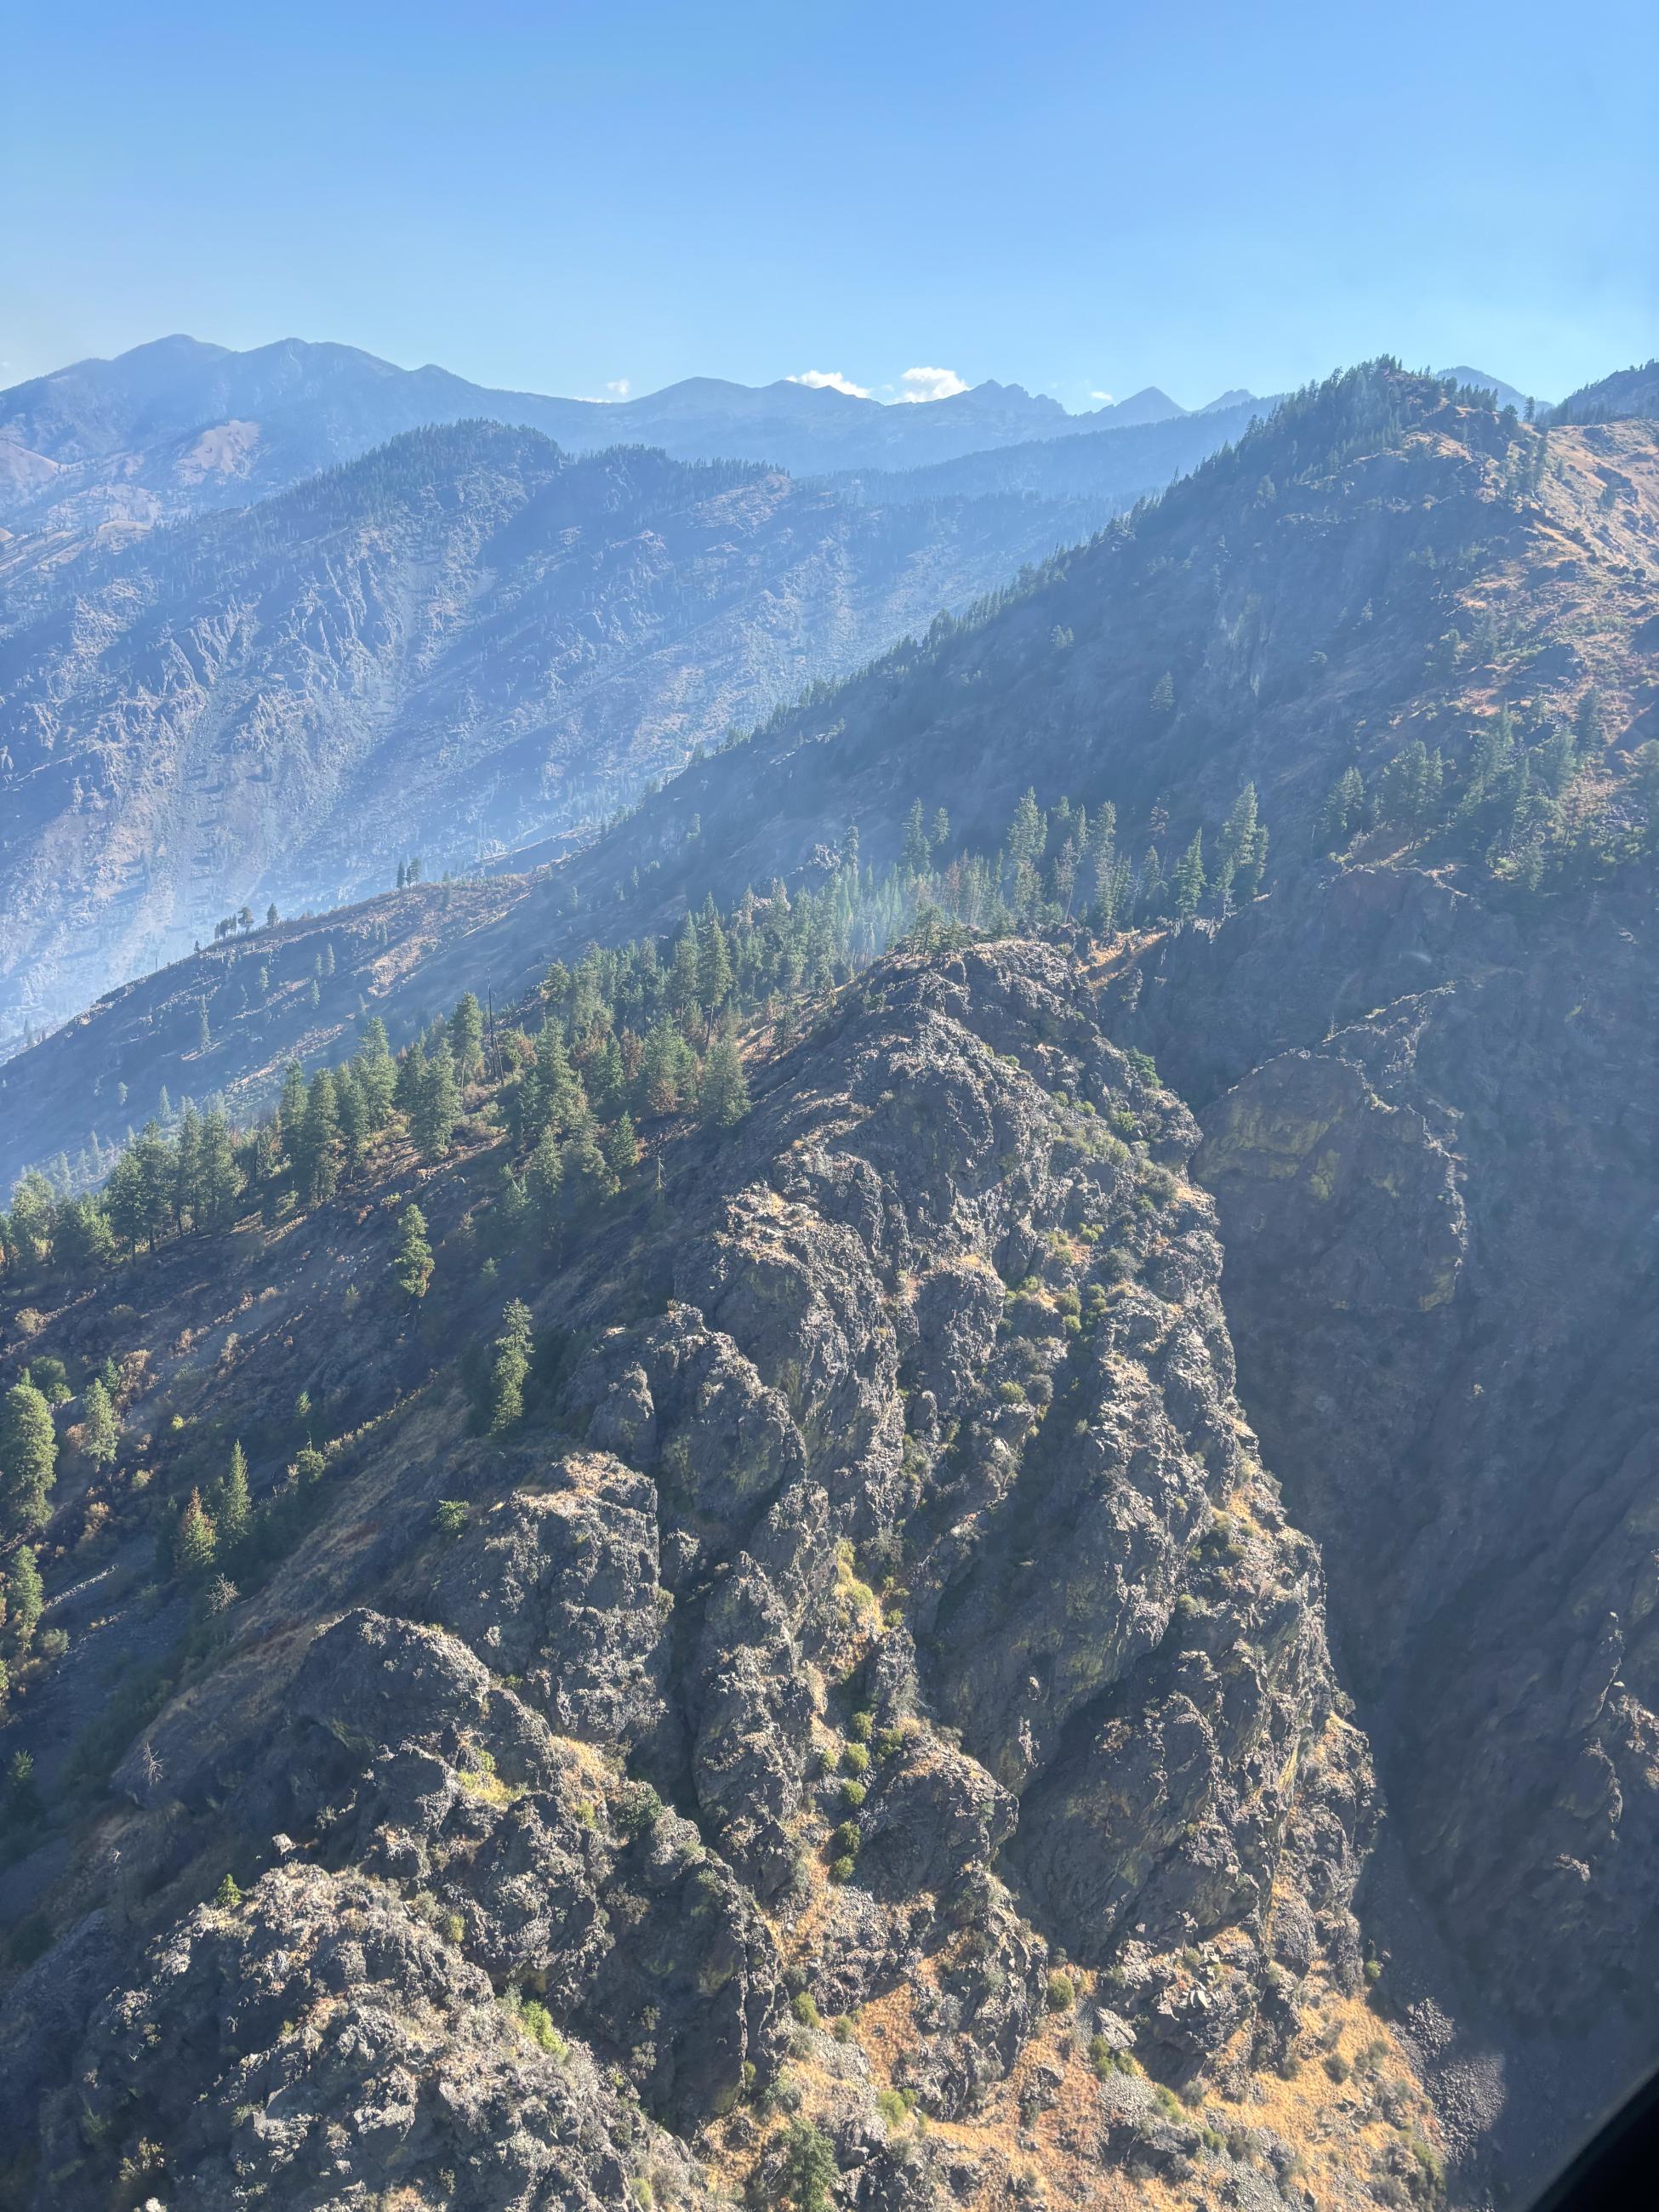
(178, 427)
(461, 642)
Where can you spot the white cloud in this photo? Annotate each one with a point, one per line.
(620, 389)
(1104, 397)
(930, 384)
(830, 380)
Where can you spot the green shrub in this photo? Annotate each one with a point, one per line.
(842, 1869)
(637, 1808)
(855, 1759)
(805, 2008)
(450, 1517)
(1062, 1992)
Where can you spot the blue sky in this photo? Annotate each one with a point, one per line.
(1079, 198)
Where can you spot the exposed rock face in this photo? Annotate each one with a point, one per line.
(919, 1557)
(1433, 1152)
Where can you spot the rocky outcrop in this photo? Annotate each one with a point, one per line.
(897, 1629)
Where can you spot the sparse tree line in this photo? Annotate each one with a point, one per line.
(1525, 805)
(630, 1033)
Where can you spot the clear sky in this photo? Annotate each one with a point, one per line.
(1078, 198)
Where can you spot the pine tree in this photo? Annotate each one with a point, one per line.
(715, 976)
(466, 1037)
(511, 1369)
(1242, 850)
(219, 1181)
(1163, 699)
(291, 1107)
(271, 915)
(100, 1431)
(187, 1163)
(438, 1108)
(621, 1148)
(545, 1179)
(939, 835)
(32, 1209)
(317, 1163)
(684, 977)
(29, 1460)
(915, 840)
(203, 1032)
(81, 1242)
(723, 1095)
(195, 1541)
(1343, 811)
(25, 1596)
(1189, 878)
(412, 1262)
(233, 1502)
(377, 1073)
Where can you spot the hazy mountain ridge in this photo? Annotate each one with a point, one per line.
(461, 642)
(176, 427)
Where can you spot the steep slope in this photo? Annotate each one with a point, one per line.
(1628, 393)
(563, 1819)
(453, 646)
(177, 428)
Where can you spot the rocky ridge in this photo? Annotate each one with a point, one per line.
(880, 1701)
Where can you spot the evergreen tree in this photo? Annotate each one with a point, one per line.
(25, 1596)
(195, 1540)
(233, 1501)
(545, 1180)
(81, 1242)
(621, 1147)
(317, 1166)
(219, 1181)
(511, 1369)
(186, 1161)
(589, 1176)
(438, 1108)
(377, 1073)
(1343, 811)
(1163, 700)
(686, 978)
(1243, 849)
(203, 1032)
(915, 840)
(466, 1037)
(809, 2167)
(29, 1460)
(1149, 900)
(33, 1206)
(723, 1094)
(271, 915)
(411, 1078)
(100, 1431)
(412, 1262)
(715, 976)
(666, 1073)
(940, 833)
(1189, 878)
(291, 1108)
